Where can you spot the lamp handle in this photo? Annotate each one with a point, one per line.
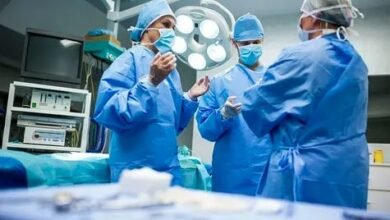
(223, 8)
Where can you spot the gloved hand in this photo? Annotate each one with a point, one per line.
(230, 109)
(161, 67)
(199, 88)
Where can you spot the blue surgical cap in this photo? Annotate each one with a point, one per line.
(150, 13)
(248, 27)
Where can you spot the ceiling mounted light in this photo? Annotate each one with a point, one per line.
(209, 29)
(203, 35)
(216, 53)
(197, 61)
(184, 24)
(179, 45)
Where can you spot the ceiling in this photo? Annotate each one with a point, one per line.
(11, 50)
(261, 8)
(4, 3)
(258, 7)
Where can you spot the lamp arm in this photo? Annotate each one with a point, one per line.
(223, 8)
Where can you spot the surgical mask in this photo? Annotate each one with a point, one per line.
(250, 54)
(341, 33)
(165, 41)
(304, 35)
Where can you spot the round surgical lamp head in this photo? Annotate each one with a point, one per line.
(179, 45)
(209, 29)
(184, 24)
(202, 38)
(216, 52)
(197, 61)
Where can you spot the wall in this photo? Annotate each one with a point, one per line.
(373, 39)
(8, 75)
(188, 78)
(67, 16)
(77, 17)
(281, 31)
(71, 17)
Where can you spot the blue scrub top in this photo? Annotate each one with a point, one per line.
(145, 120)
(239, 156)
(313, 102)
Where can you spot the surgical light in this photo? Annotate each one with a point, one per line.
(179, 45)
(209, 29)
(184, 24)
(203, 35)
(216, 53)
(197, 61)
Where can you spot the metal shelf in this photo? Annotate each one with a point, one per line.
(53, 88)
(43, 147)
(84, 117)
(48, 112)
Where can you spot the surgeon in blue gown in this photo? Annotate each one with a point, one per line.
(141, 100)
(239, 156)
(313, 102)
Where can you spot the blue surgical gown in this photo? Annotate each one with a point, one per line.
(313, 102)
(239, 156)
(144, 119)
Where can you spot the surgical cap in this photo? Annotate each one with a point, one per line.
(248, 27)
(338, 12)
(150, 13)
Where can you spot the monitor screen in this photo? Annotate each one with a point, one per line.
(52, 57)
(378, 126)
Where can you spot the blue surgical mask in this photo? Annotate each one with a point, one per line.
(250, 54)
(304, 35)
(165, 41)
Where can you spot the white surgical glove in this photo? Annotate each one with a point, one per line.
(230, 109)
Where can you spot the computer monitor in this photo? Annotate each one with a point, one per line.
(52, 56)
(378, 126)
